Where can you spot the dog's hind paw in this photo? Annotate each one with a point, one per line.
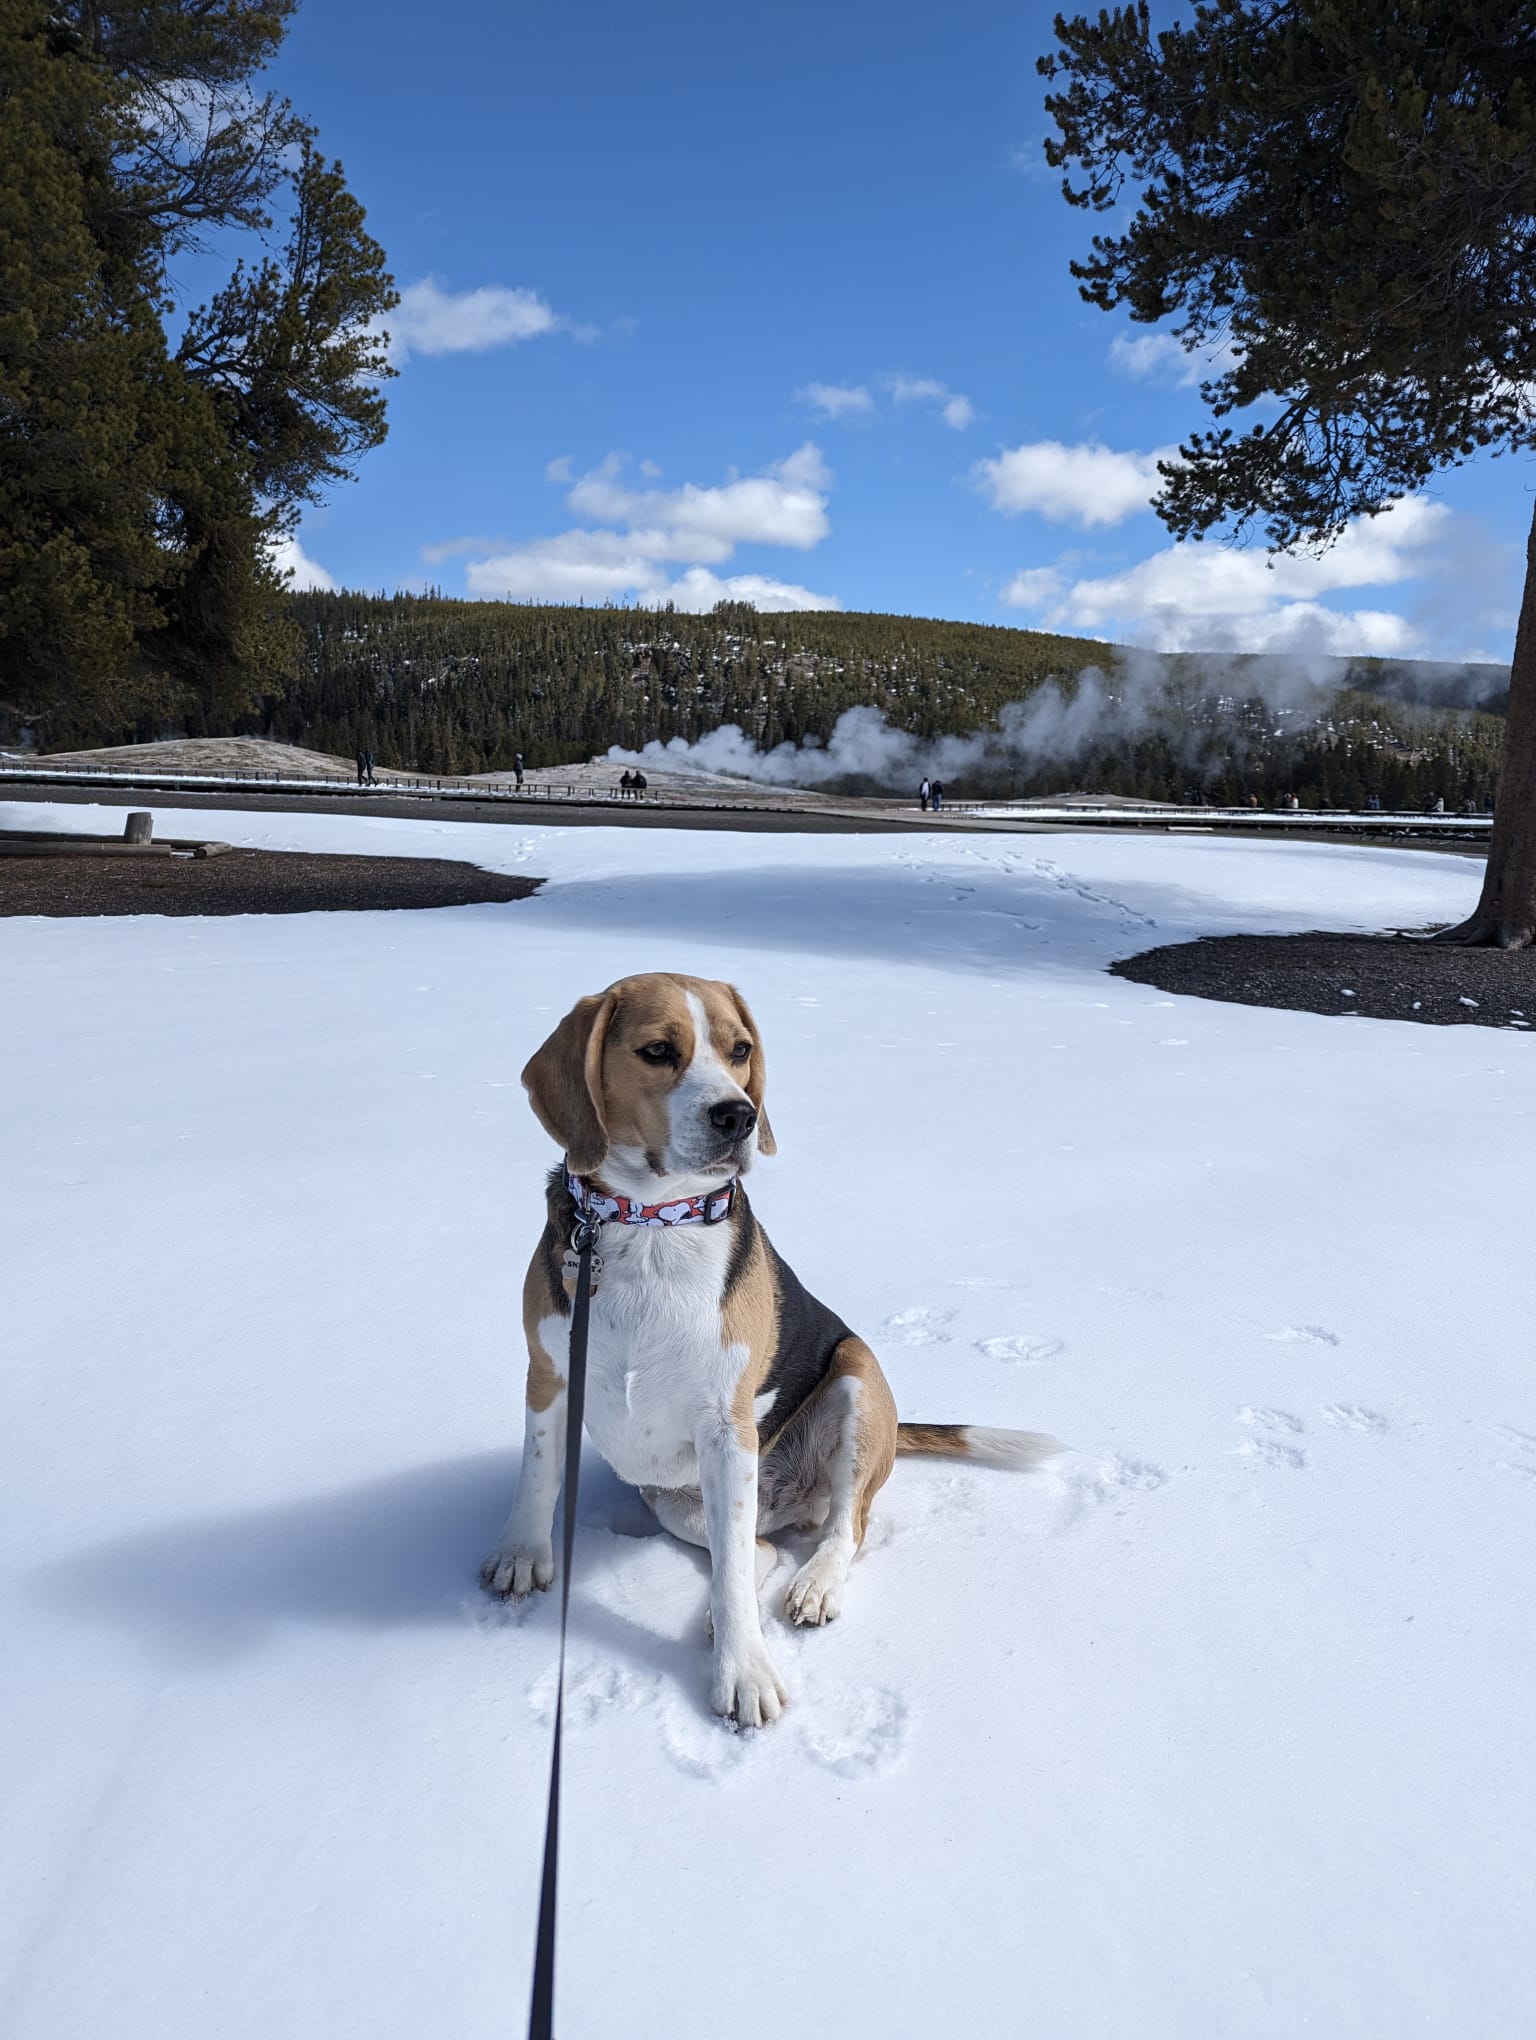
(512, 1574)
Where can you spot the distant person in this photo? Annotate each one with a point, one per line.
(936, 794)
(922, 793)
(1253, 800)
(1373, 803)
(517, 769)
(626, 785)
(640, 785)
(1437, 805)
(368, 761)
(362, 767)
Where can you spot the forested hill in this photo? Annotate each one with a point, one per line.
(460, 686)
(450, 686)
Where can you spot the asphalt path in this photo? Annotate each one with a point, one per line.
(609, 814)
(522, 814)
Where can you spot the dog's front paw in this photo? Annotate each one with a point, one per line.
(815, 1594)
(747, 1689)
(513, 1571)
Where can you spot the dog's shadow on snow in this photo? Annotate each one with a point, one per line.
(400, 1552)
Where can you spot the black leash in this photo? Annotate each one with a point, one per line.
(542, 2011)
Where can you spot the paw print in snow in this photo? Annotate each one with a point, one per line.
(1265, 1446)
(1019, 1347)
(918, 1326)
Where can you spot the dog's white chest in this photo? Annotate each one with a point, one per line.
(657, 1365)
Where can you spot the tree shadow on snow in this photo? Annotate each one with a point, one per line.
(396, 1553)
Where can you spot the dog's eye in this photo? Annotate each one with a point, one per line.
(741, 1051)
(659, 1052)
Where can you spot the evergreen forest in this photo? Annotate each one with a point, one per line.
(443, 686)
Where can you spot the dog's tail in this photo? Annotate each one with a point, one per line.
(1022, 1450)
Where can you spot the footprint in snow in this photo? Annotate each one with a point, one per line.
(1019, 1346)
(1270, 1452)
(918, 1327)
(1112, 1481)
(1350, 1417)
(704, 1747)
(1265, 1447)
(1269, 1420)
(593, 1693)
(855, 1732)
(1268, 1449)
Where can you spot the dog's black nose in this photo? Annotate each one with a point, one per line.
(734, 1117)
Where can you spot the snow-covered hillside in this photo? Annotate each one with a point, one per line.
(1222, 1730)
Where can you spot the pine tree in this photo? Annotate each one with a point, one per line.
(81, 390)
(139, 491)
(1343, 194)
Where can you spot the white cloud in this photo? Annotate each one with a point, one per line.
(698, 589)
(1205, 597)
(1085, 485)
(956, 411)
(836, 400)
(606, 566)
(916, 389)
(1035, 588)
(559, 469)
(1158, 357)
(785, 505)
(854, 400)
(296, 567)
(1153, 357)
(650, 531)
(432, 320)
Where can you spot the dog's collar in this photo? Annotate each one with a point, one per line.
(710, 1208)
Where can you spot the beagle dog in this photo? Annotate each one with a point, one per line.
(716, 1383)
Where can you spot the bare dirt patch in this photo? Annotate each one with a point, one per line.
(246, 882)
(1383, 977)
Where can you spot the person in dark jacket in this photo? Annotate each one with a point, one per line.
(936, 794)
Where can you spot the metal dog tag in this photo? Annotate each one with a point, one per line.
(570, 1270)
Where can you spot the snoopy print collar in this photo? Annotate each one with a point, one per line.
(710, 1208)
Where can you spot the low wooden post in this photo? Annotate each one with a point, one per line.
(139, 828)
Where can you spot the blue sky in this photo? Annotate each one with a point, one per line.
(705, 300)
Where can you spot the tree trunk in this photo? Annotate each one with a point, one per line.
(1506, 914)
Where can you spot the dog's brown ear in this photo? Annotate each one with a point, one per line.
(564, 1082)
(756, 1076)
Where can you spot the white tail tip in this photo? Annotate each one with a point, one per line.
(1021, 1450)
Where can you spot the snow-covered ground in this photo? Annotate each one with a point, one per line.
(1224, 1730)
